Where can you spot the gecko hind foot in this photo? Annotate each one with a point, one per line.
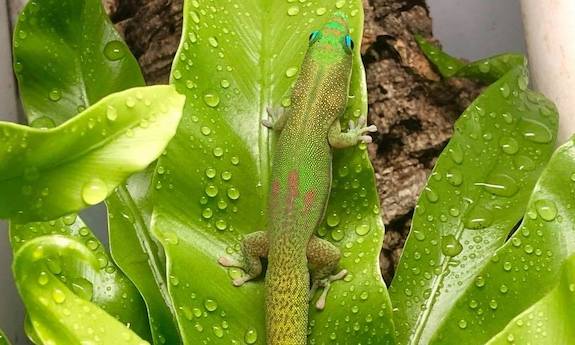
(254, 246)
(326, 285)
(227, 261)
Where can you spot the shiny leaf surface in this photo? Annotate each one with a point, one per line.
(67, 57)
(58, 314)
(137, 253)
(102, 64)
(527, 266)
(46, 173)
(549, 321)
(104, 285)
(476, 194)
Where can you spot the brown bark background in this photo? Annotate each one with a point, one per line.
(413, 108)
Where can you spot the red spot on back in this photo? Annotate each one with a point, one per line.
(274, 196)
(308, 200)
(293, 188)
(275, 188)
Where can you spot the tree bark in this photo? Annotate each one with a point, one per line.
(413, 108)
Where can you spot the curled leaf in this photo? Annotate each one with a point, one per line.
(96, 63)
(106, 286)
(549, 321)
(46, 173)
(526, 267)
(57, 314)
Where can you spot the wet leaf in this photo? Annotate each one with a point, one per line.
(137, 253)
(235, 59)
(550, 320)
(104, 285)
(526, 267)
(102, 64)
(45, 173)
(67, 57)
(477, 193)
(58, 314)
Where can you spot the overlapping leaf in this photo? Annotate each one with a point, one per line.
(235, 59)
(46, 173)
(136, 252)
(477, 193)
(59, 315)
(81, 58)
(94, 277)
(527, 267)
(550, 320)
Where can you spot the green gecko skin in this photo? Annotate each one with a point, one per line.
(300, 187)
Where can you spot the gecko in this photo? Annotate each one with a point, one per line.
(300, 185)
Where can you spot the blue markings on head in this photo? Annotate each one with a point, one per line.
(348, 42)
(314, 36)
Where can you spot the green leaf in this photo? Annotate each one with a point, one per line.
(31, 332)
(210, 188)
(524, 269)
(137, 253)
(486, 70)
(57, 314)
(446, 64)
(45, 173)
(67, 57)
(476, 194)
(3, 339)
(104, 285)
(549, 321)
(103, 65)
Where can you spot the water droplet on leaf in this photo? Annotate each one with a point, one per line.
(212, 100)
(114, 50)
(450, 246)
(94, 191)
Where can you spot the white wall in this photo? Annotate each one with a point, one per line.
(11, 312)
(474, 29)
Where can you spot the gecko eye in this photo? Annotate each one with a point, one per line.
(348, 43)
(314, 36)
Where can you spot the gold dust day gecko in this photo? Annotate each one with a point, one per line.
(300, 187)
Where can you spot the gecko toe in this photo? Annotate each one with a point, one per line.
(371, 128)
(366, 139)
(267, 123)
(226, 261)
(239, 281)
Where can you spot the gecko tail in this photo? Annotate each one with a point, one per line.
(287, 304)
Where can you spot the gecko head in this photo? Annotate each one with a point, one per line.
(332, 43)
(327, 67)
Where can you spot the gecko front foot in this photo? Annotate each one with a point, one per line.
(357, 133)
(360, 130)
(326, 285)
(276, 120)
